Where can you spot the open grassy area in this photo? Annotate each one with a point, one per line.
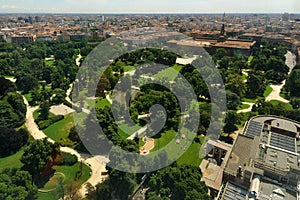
(70, 176)
(12, 161)
(165, 139)
(286, 106)
(102, 103)
(50, 62)
(243, 106)
(249, 100)
(60, 130)
(128, 68)
(268, 91)
(125, 131)
(192, 155)
(168, 74)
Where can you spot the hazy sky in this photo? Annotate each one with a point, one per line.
(151, 6)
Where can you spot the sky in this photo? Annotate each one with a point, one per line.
(149, 6)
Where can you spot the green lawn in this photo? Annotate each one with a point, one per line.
(250, 59)
(50, 62)
(169, 74)
(12, 161)
(102, 103)
(125, 131)
(60, 130)
(282, 104)
(70, 175)
(9, 77)
(192, 155)
(268, 91)
(243, 106)
(249, 100)
(128, 68)
(28, 97)
(165, 139)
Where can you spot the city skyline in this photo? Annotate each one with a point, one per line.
(154, 6)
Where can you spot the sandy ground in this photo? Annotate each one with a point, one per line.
(61, 110)
(149, 145)
(185, 61)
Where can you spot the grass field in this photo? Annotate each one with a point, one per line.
(243, 106)
(249, 100)
(169, 74)
(60, 130)
(268, 91)
(191, 156)
(12, 161)
(128, 68)
(165, 139)
(102, 103)
(125, 131)
(50, 62)
(285, 105)
(70, 175)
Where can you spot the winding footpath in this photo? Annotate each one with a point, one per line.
(276, 89)
(275, 94)
(96, 163)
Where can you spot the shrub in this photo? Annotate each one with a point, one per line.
(68, 159)
(12, 141)
(56, 118)
(44, 124)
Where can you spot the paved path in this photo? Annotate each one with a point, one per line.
(275, 94)
(138, 133)
(78, 60)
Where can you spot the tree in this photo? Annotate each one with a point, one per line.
(6, 87)
(295, 103)
(256, 85)
(44, 112)
(36, 155)
(235, 83)
(11, 140)
(230, 122)
(177, 182)
(220, 53)
(17, 184)
(293, 83)
(26, 83)
(233, 100)
(59, 97)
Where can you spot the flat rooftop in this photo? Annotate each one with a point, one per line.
(235, 44)
(244, 148)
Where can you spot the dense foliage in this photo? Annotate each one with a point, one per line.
(17, 185)
(177, 183)
(12, 140)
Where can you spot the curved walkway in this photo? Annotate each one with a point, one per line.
(275, 94)
(96, 163)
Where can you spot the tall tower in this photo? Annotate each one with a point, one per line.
(223, 32)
